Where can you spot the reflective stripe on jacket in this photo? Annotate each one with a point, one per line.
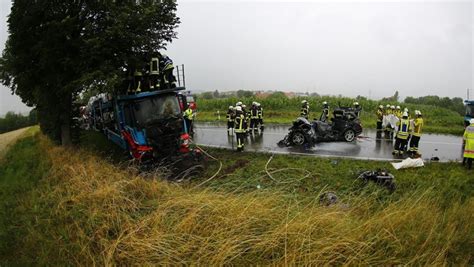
(239, 123)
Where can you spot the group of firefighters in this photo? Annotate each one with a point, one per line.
(325, 112)
(406, 130)
(154, 75)
(243, 121)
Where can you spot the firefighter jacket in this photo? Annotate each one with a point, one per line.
(260, 112)
(166, 63)
(403, 128)
(398, 113)
(239, 126)
(230, 115)
(469, 142)
(379, 114)
(188, 114)
(417, 126)
(254, 113)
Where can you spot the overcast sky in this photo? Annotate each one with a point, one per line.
(349, 48)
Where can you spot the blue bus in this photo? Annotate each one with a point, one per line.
(469, 111)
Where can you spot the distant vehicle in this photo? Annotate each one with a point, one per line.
(469, 111)
(345, 126)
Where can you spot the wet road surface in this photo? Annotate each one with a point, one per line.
(367, 146)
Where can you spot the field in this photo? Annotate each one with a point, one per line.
(73, 207)
(285, 110)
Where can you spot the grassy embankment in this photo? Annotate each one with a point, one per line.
(70, 206)
(284, 110)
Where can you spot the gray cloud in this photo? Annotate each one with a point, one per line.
(349, 48)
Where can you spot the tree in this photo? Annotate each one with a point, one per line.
(58, 49)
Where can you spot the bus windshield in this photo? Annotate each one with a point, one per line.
(470, 110)
(156, 108)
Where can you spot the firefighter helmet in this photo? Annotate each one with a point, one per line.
(238, 108)
(405, 115)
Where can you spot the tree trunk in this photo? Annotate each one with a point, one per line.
(66, 133)
(65, 117)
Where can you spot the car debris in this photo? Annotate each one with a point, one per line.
(380, 177)
(328, 199)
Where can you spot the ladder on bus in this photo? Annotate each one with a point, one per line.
(179, 73)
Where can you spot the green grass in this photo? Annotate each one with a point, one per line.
(307, 176)
(284, 111)
(71, 207)
(23, 166)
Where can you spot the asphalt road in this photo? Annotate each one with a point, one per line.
(367, 146)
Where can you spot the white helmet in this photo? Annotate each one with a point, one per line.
(254, 103)
(325, 103)
(356, 103)
(231, 107)
(381, 106)
(243, 106)
(392, 107)
(471, 121)
(304, 101)
(388, 106)
(238, 108)
(419, 112)
(405, 114)
(258, 104)
(398, 107)
(238, 103)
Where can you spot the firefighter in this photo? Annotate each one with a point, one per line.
(325, 114)
(166, 69)
(304, 109)
(230, 119)
(379, 114)
(402, 135)
(468, 138)
(154, 74)
(239, 124)
(245, 112)
(253, 114)
(398, 112)
(188, 119)
(416, 134)
(357, 109)
(260, 116)
(136, 85)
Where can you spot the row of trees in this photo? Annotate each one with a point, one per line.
(58, 49)
(455, 104)
(13, 121)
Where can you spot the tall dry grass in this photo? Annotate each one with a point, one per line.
(92, 213)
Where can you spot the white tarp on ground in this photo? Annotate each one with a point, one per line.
(408, 163)
(390, 120)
